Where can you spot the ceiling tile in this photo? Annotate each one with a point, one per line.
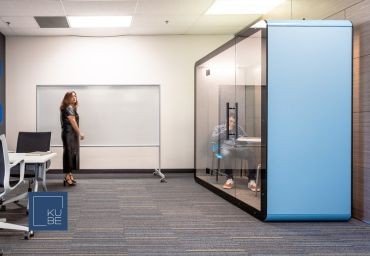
(20, 22)
(2, 23)
(175, 7)
(31, 8)
(102, 8)
(227, 20)
(160, 20)
(214, 30)
(159, 30)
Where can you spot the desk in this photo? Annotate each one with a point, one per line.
(39, 161)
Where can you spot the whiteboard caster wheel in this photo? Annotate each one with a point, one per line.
(28, 235)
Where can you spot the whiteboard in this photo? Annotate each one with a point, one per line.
(110, 115)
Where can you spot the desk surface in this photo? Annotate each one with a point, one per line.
(243, 142)
(249, 139)
(31, 159)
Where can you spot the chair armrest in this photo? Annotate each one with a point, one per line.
(16, 163)
(21, 171)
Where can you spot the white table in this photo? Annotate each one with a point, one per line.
(39, 161)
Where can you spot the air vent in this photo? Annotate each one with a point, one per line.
(52, 22)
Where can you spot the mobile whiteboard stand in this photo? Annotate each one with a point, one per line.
(158, 171)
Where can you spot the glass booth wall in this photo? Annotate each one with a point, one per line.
(229, 96)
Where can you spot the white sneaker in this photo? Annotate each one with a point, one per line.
(251, 183)
(228, 184)
(230, 181)
(253, 186)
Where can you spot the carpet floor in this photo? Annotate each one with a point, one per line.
(138, 215)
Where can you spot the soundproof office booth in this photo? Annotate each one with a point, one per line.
(273, 130)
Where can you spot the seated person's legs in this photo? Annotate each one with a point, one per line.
(250, 156)
(227, 159)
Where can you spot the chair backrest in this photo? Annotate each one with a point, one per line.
(4, 160)
(33, 141)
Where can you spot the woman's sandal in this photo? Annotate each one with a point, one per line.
(68, 181)
(72, 179)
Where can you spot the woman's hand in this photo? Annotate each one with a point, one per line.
(82, 136)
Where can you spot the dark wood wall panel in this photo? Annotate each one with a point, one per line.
(360, 40)
(361, 190)
(319, 9)
(358, 14)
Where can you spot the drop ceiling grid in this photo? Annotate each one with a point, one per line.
(149, 16)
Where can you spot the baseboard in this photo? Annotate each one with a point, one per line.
(117, 171)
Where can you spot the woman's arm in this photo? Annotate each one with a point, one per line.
(75, 127)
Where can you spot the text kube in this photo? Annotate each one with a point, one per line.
(48, 211)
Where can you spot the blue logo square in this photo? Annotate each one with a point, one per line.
(48, 211)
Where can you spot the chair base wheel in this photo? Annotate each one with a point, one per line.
(28, 235)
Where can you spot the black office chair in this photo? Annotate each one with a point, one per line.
(30, 142)
(33, 141)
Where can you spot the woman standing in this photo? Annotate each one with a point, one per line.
(71, 135)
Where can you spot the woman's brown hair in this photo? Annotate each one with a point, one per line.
(67, 100)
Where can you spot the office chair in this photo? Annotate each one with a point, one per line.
(30, 142)
(7, 185)
(33, 141)
(215, 155)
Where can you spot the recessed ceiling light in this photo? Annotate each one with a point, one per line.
(99, 21)
(242, 6)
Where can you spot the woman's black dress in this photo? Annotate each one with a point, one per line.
(71, 142)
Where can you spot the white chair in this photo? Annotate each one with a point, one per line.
(6, 186)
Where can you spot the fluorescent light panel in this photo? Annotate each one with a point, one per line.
(242, 6)
(99, 21)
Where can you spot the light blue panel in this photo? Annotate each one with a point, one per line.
(309, 23)
(309, 121)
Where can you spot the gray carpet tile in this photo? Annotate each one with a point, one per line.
(120, 215)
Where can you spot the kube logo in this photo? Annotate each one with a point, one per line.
(48, 211)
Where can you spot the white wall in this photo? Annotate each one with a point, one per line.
(165, 60)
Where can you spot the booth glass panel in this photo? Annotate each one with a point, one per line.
(229, 96)
(250, 81)
(215, 80)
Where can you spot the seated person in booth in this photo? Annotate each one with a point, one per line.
(229, 153)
